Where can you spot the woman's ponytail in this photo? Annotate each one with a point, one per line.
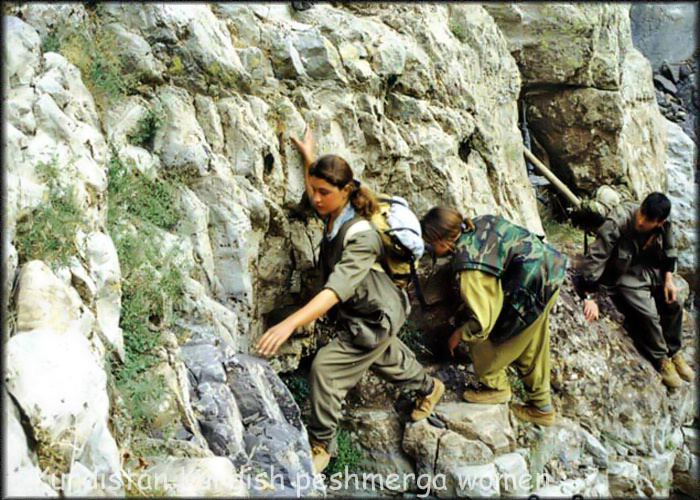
(444, 224)
(363, 200)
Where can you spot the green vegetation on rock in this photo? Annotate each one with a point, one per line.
(347, 455)
(96, 52)
(146, 127)
(48, 232)
(298, 386)
(152, 284)
(413, 338)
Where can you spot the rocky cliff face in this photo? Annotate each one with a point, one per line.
(154, 229)
(589, 94)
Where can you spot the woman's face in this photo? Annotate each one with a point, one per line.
(327, 198)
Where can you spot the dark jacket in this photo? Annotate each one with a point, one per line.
(622, 256)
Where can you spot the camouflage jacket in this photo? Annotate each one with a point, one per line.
(530, 271)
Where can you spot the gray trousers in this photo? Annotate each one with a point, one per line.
(337, 368)
(654, 325)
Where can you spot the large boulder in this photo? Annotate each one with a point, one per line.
(589, 95)
(378, 434)
(22, 474)
(564, 43)
(58, 382)
(487, 423)
(445, 453)
(598, 137)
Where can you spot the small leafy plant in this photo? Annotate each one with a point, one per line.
(347, 455)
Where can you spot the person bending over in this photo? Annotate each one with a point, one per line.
(509, 280)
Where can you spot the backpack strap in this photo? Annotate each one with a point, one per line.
(361, 226)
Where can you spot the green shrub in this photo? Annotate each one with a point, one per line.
(51, 42)
(96, 52)
(458, 31)
(146, 127)
(346, 455)
(562, 232)
(152, 284)
(130, 192)
(48, 232)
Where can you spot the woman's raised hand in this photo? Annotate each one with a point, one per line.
(306, 146)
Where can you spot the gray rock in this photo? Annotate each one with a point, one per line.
(378, 435)
(624, 479)
(184, 477)
(23, 60)
(439, 450)
(658, 470)
(689, 481)
(137, 54)
(474, 481)
(610, 121)
(672, 72)
(513, 473)
(23, 475)
(691, 437)
(43, 301)
(666, 84)
(546, 41)
(593, 446)
(103, 262)
(61, 386)
(180, 142)
(234, 392)
(487, 423)
(680, 164)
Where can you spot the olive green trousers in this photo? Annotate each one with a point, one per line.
(338, 367)
(528, 352)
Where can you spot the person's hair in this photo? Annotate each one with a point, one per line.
(336, 171)
(656, 207)
(443, 224)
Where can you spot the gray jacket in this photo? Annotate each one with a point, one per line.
(371, 305)
(622, 256)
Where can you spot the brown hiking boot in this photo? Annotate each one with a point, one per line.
(530, 413)
(669, 375)
(427, 404)
(682, 368)
(319, 457)
(487, 396)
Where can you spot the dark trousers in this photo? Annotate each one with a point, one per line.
(654, 325)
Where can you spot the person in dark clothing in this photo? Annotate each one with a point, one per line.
(633, 259)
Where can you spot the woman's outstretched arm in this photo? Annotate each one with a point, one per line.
(275, 336)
